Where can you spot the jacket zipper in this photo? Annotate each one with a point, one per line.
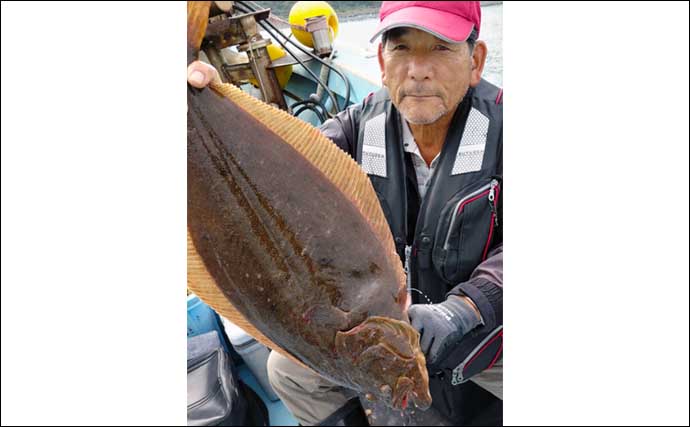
(458, 377)
(484, 190)
(493, 201)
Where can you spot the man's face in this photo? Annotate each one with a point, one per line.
(426, 76)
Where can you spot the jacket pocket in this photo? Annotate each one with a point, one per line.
(465, 230)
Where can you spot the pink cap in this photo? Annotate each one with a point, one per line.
(451, 21)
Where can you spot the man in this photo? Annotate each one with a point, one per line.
(431, 142)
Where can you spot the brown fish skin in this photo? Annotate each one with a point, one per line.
(293, 254)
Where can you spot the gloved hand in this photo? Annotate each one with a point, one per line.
(443, 325)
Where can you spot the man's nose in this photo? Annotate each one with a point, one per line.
(419, 68)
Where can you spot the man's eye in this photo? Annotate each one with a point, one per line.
(441, 47)
(400, 47)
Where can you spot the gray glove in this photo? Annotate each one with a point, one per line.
(442, 326)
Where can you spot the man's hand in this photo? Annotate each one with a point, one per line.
(443, 325)
(200, 74)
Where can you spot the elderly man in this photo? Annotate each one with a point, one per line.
(431, 142)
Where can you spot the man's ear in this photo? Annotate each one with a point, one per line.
(478, 60)
(381, 66)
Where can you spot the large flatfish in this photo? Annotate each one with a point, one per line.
(286, 238)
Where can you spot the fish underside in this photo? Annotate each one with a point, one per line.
(287, 238)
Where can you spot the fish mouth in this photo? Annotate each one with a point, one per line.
(405, 394)
(402, 390)
(389, 350)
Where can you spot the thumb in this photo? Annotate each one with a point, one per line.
(197, 79)
(200, 74)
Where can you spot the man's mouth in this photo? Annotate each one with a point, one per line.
(421, 97)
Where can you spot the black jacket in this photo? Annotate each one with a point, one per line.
(451, 241)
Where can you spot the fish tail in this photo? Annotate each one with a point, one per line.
(197, 20)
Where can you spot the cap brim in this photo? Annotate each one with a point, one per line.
(444, 25)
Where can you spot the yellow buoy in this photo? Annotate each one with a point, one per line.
(308, 9)
(282, 73)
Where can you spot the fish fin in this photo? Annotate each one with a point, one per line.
(200, 281)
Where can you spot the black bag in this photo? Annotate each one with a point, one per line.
(215, 397)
